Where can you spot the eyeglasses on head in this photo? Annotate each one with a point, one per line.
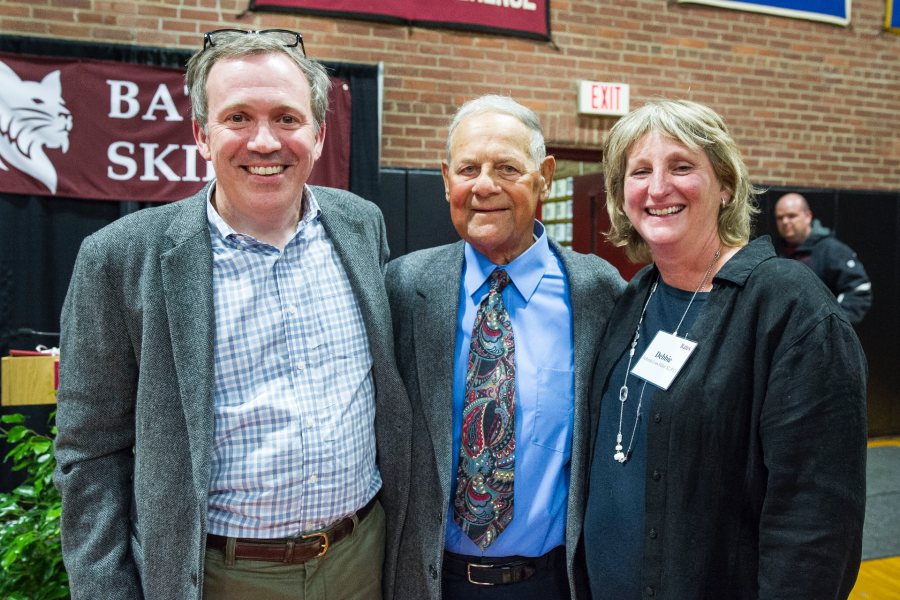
(290, 39)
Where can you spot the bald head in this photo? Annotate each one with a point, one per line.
(794, 219)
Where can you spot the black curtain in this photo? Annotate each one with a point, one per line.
(364, 115)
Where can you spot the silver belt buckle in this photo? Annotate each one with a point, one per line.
(477, 566)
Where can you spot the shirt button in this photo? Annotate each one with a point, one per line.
(650, 590)
(292, 310)
(657, 418)
(313, 478)
(432, 571)
(652, 534)
(656, 475)
(301, 365)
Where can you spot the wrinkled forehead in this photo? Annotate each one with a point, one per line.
(490, 136)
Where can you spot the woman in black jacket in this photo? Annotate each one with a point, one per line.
(729, 404)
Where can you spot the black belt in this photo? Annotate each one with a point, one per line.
(487, 570)
(292, 550)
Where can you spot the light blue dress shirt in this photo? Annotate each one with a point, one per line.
(539, 307)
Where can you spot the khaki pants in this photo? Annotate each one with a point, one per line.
(351, 570)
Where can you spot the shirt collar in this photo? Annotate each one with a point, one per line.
(226, 231)
(738, 269)
(525, 271)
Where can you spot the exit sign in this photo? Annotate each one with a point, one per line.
(601, 98)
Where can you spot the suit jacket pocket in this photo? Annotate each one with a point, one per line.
(137, 552)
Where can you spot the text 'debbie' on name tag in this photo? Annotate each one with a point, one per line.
(664, 358)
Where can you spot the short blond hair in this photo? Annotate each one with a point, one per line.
(698, 127)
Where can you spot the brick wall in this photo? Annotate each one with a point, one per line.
(811, 104)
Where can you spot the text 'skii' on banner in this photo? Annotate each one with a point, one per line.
(526, 18)
(108, 130)
(829, 11)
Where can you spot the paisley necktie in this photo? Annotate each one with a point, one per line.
(483, 505)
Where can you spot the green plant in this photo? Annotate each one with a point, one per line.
(30, 552)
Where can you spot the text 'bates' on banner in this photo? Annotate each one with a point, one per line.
(108, 130)
(829, 11)
(526, 18)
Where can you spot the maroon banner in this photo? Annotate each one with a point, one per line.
(528, 18)
(107, 130)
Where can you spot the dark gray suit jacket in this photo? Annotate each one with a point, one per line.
(135, 411)
(423, 288)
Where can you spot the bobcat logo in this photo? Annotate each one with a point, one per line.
(32, 116)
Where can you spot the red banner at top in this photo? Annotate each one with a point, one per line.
(528, 18)
(107, 130)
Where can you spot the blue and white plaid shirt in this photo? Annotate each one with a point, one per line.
(294, 446)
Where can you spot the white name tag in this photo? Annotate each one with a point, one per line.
(663, 360)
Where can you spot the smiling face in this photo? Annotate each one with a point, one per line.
(672, 196)
(493, 184)
(261, 137)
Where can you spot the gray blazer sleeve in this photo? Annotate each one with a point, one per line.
(95, 417)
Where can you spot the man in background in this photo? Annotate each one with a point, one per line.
(496, 336)
(805, 239)
(227, 361)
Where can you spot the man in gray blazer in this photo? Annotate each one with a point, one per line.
(496, 336)
(227, 366)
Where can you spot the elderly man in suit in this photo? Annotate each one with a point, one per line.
(496, 336)
(227, 362)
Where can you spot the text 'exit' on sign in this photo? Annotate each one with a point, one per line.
(602, 98)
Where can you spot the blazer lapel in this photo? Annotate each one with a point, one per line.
(363, 266)
(584, 332)
(187, 282)
(585, 336)
(435, 323)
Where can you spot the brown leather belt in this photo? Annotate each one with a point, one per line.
(291, 550)
(484, 570)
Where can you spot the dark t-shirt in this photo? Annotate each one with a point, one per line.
(614, 523)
